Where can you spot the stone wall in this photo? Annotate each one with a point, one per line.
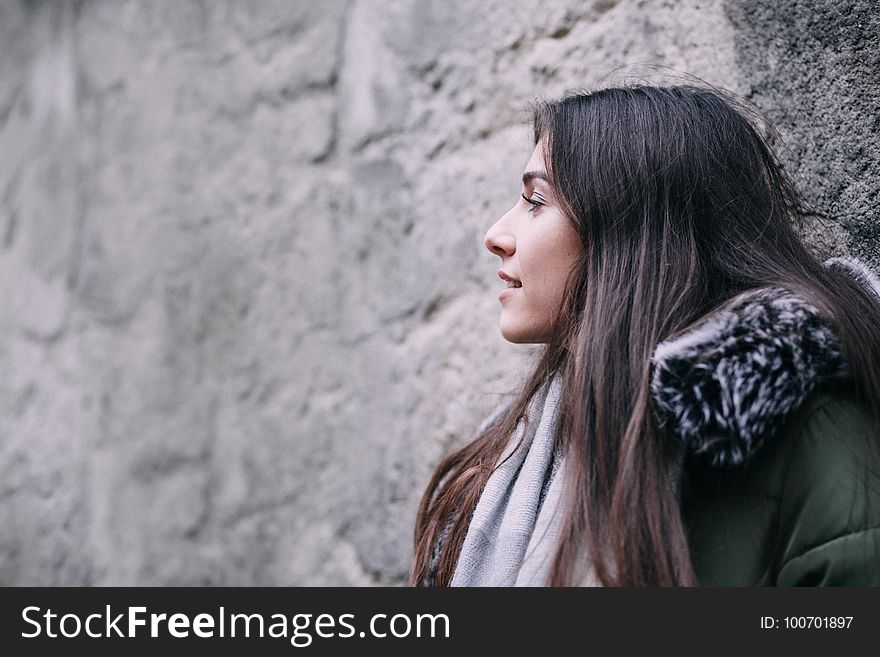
(244, 302)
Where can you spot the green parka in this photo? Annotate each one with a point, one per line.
(804, 511)
(781, 485)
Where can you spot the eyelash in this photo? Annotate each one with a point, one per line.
(535, 204)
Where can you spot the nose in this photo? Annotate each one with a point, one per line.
(499, 239)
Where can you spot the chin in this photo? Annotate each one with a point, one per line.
(517, 335)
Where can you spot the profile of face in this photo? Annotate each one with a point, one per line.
(538, 247)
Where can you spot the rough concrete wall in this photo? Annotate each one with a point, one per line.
(813, 67)
(244, 302)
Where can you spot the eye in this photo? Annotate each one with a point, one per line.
(535, 204)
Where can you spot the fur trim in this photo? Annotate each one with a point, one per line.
(726, 385)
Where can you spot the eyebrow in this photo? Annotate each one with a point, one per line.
(528, 176)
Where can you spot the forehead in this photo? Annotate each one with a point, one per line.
(536, 161)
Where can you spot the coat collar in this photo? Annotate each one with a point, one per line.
(730, 381)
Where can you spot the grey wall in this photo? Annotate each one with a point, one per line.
(244, 303)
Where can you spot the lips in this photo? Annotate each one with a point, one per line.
(512, 284)
(511, 281)
(506, 292)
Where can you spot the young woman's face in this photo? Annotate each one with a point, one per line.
(538, 247)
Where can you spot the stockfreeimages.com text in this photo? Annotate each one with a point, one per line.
(301, 629)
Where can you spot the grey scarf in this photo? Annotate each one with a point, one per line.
(513, 533)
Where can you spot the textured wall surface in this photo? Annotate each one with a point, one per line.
(244, 302)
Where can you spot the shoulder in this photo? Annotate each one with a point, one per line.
(832, 429)
(826, 436)
(829, 499)
(803, 510)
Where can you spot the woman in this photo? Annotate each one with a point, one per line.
(706, 406)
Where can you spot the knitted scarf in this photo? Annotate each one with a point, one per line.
(514, 530)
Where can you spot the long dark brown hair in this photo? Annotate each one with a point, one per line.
(681, 203)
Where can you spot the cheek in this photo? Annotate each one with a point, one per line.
(553, 272)
(543, 290)
(549, 263)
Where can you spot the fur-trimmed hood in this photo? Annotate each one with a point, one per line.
(731, 381)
